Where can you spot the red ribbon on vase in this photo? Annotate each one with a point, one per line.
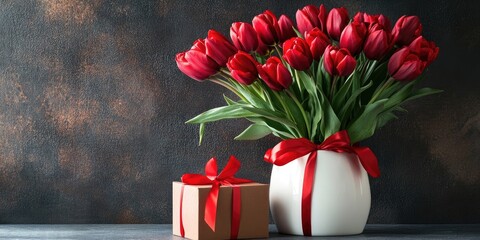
(226, 177)
(291, 149)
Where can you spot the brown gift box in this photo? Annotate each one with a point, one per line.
(253, 216)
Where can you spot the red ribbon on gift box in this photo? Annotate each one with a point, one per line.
(226, 177)
(291, 149)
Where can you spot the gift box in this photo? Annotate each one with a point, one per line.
(210, 207)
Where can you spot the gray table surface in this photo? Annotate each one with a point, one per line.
(163, 231)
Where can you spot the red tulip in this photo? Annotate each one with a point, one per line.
(370, 20)
(195, 63)
(307, 18)
(297, 53)
(426, 50)
(318, 41)
(285, 27)
(405, 65)
(266, 26)
(322, 16)
(378, 42)
(406, 30)
(274, 74)
(244, 36)
(338, 62)
(337, 20)
(353, 36)
(218, 47)
(243, 68)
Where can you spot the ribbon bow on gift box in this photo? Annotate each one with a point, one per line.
(226, 177)
(291, 149)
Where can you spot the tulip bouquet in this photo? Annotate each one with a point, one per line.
(328, 73)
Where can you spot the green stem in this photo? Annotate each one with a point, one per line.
(387, 84)
(297, 80)
(333, 87)
(304, 114)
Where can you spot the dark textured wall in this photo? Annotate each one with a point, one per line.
(92, 112)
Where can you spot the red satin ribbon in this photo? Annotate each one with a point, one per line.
(226, 177)
(291, 149)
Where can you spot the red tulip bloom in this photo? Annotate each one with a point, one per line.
(274, 74)
(353, 36)
(322, 16)
(378, 43)
(406, 30)
(195, 63)
(218, 47)
(307, 18)
(405, 65)
(317, 41)
(285, 27)
(426, 50)
(297, 53)
(244, 36)
(338, 62)
(266, 26)
(370, 20)
(243, 68)
(337, 20)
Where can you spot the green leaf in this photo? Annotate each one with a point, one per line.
(330, 123)
(365, 125)
(228, 100)
(296, 115)
(201, 132)
(423, 92)
(221, 113)
(341, 95)
(278, 129)
(317, 116)
(347, 106)
(270, 115)
(384, 118)
(254, 132)
(250, 95)
(298, 33)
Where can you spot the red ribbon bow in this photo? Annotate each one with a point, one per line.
(226, 177)
(291, 149)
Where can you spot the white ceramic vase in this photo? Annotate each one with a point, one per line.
(340, 197)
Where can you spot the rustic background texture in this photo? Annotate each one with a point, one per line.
(92, 112)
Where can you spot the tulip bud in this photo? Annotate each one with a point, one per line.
(406, 30)
(378, 43)
(266, 26)
(336, 21)
(285, 27)
(195, 63)
(426, 50)
(218, 47)
(404, 65)
(307, 18)
(310, 17)
(297, 53)
(243, 68)
(274, 74)
(318, 41)
(244, 36)
(353, 36)
(338, 62)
